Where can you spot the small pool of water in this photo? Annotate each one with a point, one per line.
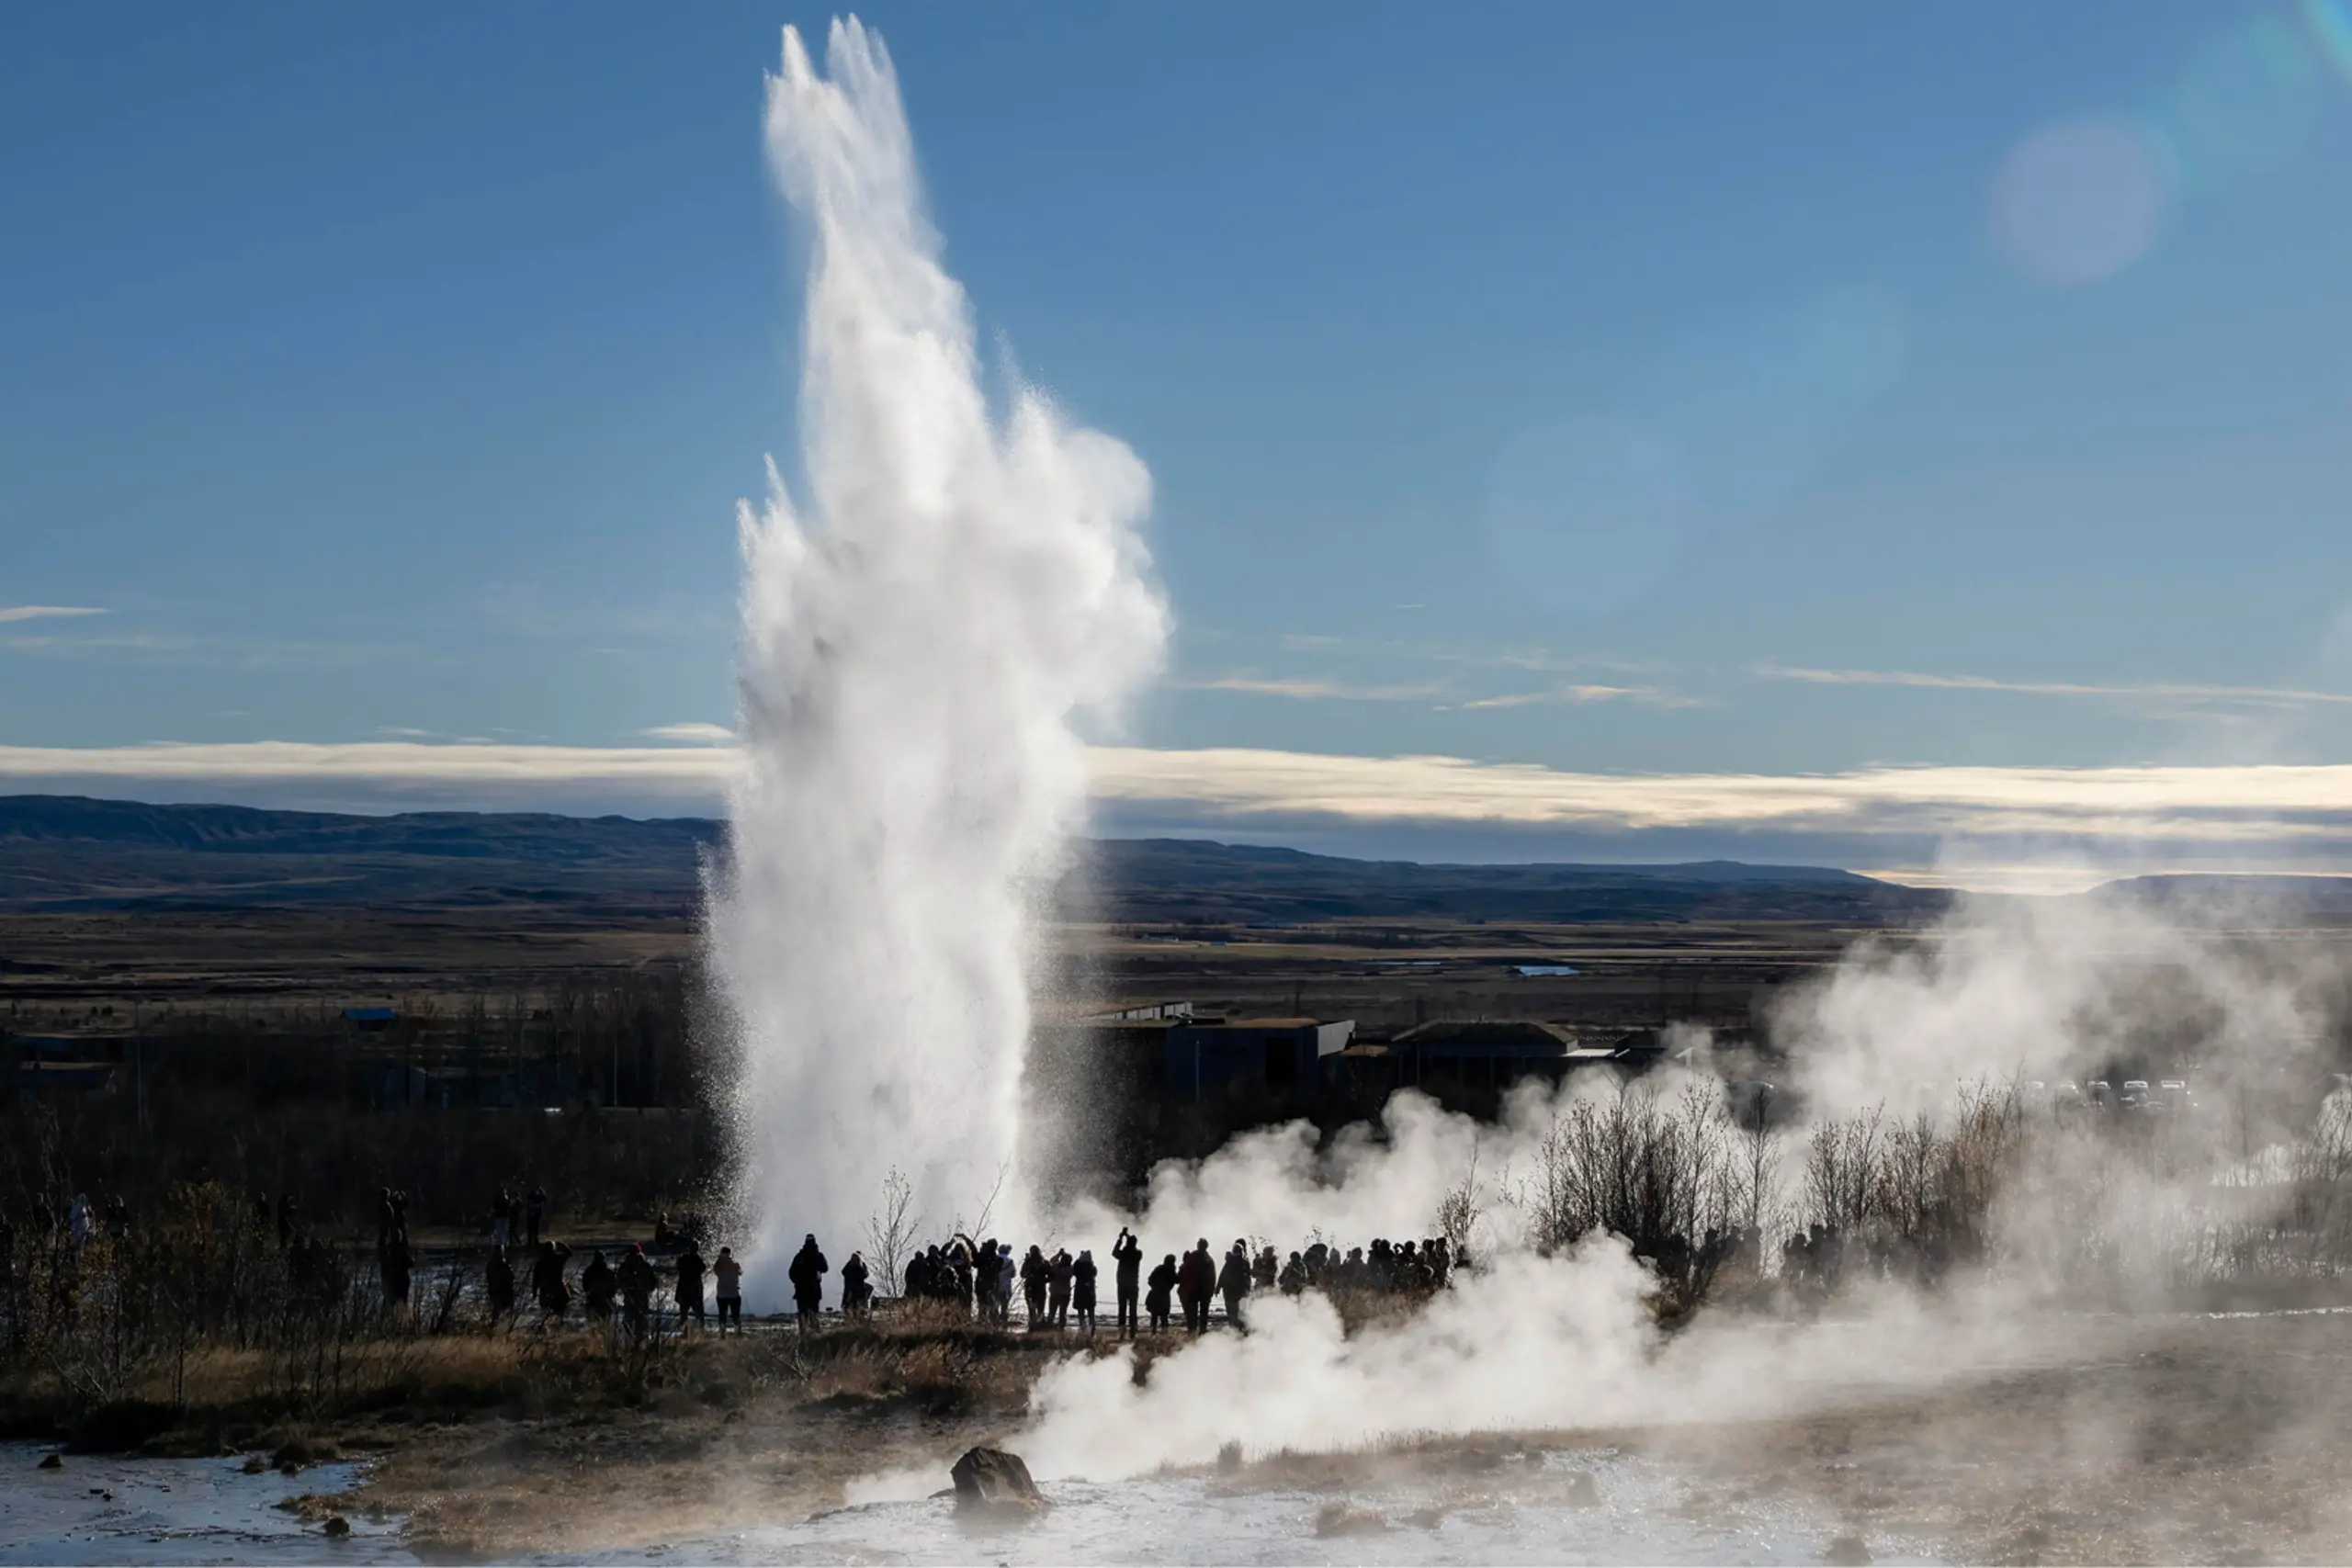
(103, 1509)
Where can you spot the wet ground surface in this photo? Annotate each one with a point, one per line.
(100, 1508)
(1559, 1507)
(1556, 1507)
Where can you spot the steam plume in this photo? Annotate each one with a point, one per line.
(920, 630)
(1889, 1050)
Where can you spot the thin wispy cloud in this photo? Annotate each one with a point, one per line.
(2140, 692)
(1315, 687)
(2227, 807)
(690, 733)
(9, 612)
(1647, 697)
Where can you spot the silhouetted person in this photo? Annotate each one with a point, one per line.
(986, 1271)
(1128, 1253)
(1008, 1274)
(1195, 1285)
(1233, 1281)
(598, 1285)
(498, 1284)
(690, 1272)
(962, 1270)
(1163, 1280)
(1265, 1269)
(392, 1263)
(636, 1282)
(1292, 1279)
(807, 1272)
(1058, 1283)
(547, 1279)
(730, 1277)
(858, 1290)
(1035, 1272)
(1082, 1291)
(535, 1209)
(289, 1214)
(385, 1224)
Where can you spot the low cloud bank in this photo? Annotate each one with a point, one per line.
(2109, 820)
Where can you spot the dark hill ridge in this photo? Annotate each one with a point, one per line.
(241, 829)
(63, 852)
(70, 853)
(1176, 879)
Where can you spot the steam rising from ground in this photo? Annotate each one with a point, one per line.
(1910, 1061)
(919, 630)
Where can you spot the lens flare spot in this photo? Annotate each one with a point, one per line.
(2248, 101)
(2330, 25)
(2079, 202)
(1584, 515)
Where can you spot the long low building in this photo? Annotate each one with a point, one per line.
(1470, 1064)
(1281, 1057)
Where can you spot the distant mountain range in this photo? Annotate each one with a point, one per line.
(70, 853)
(1179, 879)
(73, 853)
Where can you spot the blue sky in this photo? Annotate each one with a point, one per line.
(1676, 388)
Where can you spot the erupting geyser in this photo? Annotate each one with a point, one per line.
(922, 625)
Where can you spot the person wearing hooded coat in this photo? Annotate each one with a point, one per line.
(547, 1279)
(856, 1292)
(597, 1287)
(1035, 1273)
(1233, 1281)
(1195, 1286)
(1163, 1280)
(1058, 1282)
(729, 1275)
(808, 1274)
(1082, 1291)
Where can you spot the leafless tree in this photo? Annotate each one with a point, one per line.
(891, 1235)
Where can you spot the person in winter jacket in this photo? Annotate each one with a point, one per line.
(1163, 1281)
(808, 1274)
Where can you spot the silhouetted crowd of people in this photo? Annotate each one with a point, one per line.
(979, 1280)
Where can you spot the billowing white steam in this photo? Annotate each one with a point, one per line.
(919, 630)
(1568, 1341)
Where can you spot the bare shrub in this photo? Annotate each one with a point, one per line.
(890, 1234)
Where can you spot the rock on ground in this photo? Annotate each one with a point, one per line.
(993, 1481)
